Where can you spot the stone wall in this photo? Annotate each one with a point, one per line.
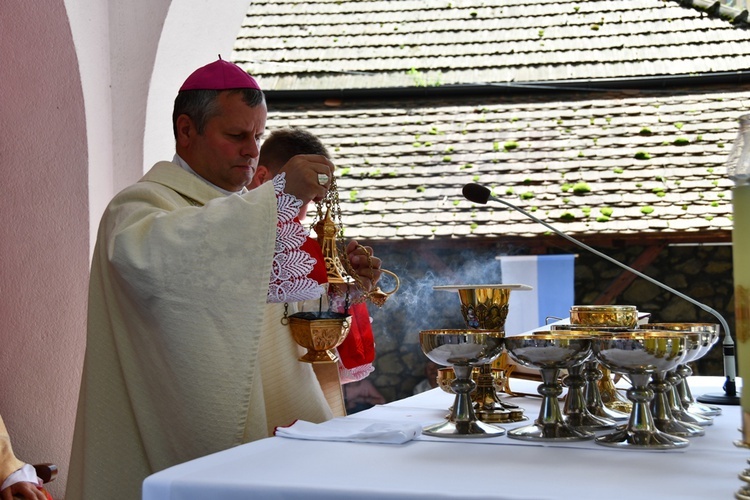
(701, 272)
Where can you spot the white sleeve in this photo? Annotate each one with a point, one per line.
(291, 265)
(27, 474)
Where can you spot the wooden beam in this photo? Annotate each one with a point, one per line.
(625, 278)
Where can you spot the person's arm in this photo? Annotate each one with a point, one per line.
(16, 478)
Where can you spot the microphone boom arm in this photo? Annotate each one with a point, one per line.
(728, 343)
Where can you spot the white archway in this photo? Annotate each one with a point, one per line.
(89, 87)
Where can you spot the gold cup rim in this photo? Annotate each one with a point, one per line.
(610, 308)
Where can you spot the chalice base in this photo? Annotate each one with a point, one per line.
(677, 428)
(625, 438)
(587, 421)
(691, 418)
(604, 412)
(498, 414)
(701, 409)
(558, 431)
(463, 429)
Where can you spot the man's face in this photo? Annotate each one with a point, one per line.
(226, 154)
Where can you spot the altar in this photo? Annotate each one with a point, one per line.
(430, 467)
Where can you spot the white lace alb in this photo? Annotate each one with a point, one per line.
(291, 265)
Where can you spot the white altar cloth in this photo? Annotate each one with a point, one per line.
(472, 468)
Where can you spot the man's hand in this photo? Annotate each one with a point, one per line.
(365, 264)
(302, 179)
(24, 489)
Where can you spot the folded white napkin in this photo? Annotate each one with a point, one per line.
(349, 429)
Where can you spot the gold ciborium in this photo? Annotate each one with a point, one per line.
(614, 406)
(320, 333)
(462, 349)
(607, 316)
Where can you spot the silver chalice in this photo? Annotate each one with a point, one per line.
(549, 353)
(709, 335)
(462, 349)
(639, 356)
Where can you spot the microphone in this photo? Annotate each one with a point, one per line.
(479, 194)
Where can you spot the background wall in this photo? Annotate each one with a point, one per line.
(77, 78)
(703, 273)
(44, 229)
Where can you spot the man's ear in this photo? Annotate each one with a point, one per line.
(185, 130)
(261, 175)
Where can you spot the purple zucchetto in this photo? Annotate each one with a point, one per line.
(219, 75)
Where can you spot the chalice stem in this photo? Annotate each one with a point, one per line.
(462, 385)
(549, 413)
(641, 395)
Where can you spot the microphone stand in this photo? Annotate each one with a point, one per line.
(730, 388)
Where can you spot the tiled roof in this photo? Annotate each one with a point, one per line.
(588, 163)
(595, 163)
(337, 44)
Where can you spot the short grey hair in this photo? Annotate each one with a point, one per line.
(202, 105)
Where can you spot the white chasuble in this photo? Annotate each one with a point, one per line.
(177, 299)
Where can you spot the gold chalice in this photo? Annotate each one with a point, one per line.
(485, 307)
(463, 350)
(445, 377)
(549, 353)
(639, 356)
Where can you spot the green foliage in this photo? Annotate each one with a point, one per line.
(567, 216)
(647, 210)
(581, 188)
(642, 155)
